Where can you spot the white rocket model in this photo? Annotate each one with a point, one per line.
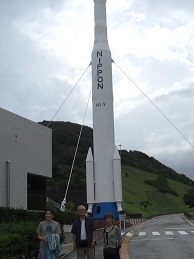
(103, 168)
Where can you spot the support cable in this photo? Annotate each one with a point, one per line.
(154, 105)
(68, 95)
(64, 200)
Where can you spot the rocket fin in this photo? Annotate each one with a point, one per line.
(117, 178)
(90, 180)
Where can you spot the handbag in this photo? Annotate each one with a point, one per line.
(111, 251)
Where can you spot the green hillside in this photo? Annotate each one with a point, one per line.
(144, 178)
(136, 190)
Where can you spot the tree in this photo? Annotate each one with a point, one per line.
(188, 198)
(70, 206)
(145, 204)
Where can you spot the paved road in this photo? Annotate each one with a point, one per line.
(168, 236)
(98, 249)
(98, 254)
(164, 237)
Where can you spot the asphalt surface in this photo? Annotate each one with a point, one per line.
(68, 253)
(142, 229)
(166, 236)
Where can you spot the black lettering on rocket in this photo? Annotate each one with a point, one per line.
(100, 104)
(99, 69)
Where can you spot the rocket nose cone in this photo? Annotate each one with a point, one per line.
(89, 157)
(116, 155)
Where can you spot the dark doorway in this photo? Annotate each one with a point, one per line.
(36, 192)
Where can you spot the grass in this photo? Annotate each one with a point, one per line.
(136, 190)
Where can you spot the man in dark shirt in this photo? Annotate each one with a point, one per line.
(84, 235)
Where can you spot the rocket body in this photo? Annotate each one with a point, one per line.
(106, 191)
(102, 98)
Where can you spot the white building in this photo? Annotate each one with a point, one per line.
(25, 162)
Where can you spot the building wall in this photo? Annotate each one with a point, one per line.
(25, 147)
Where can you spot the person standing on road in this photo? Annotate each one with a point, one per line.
(112, 238)
(84, 235)
(46, 228)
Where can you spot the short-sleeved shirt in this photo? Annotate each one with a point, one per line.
(46, 228)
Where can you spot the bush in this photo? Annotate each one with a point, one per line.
(18, 239)
(11, 214)
(134, 215)
(161, 183)
(18, 231)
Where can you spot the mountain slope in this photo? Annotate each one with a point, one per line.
(136, 190)
(137, 169)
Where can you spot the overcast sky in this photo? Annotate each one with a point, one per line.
(46, 45)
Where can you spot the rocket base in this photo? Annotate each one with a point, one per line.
(101, 208)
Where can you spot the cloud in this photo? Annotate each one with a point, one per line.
(46, 46)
